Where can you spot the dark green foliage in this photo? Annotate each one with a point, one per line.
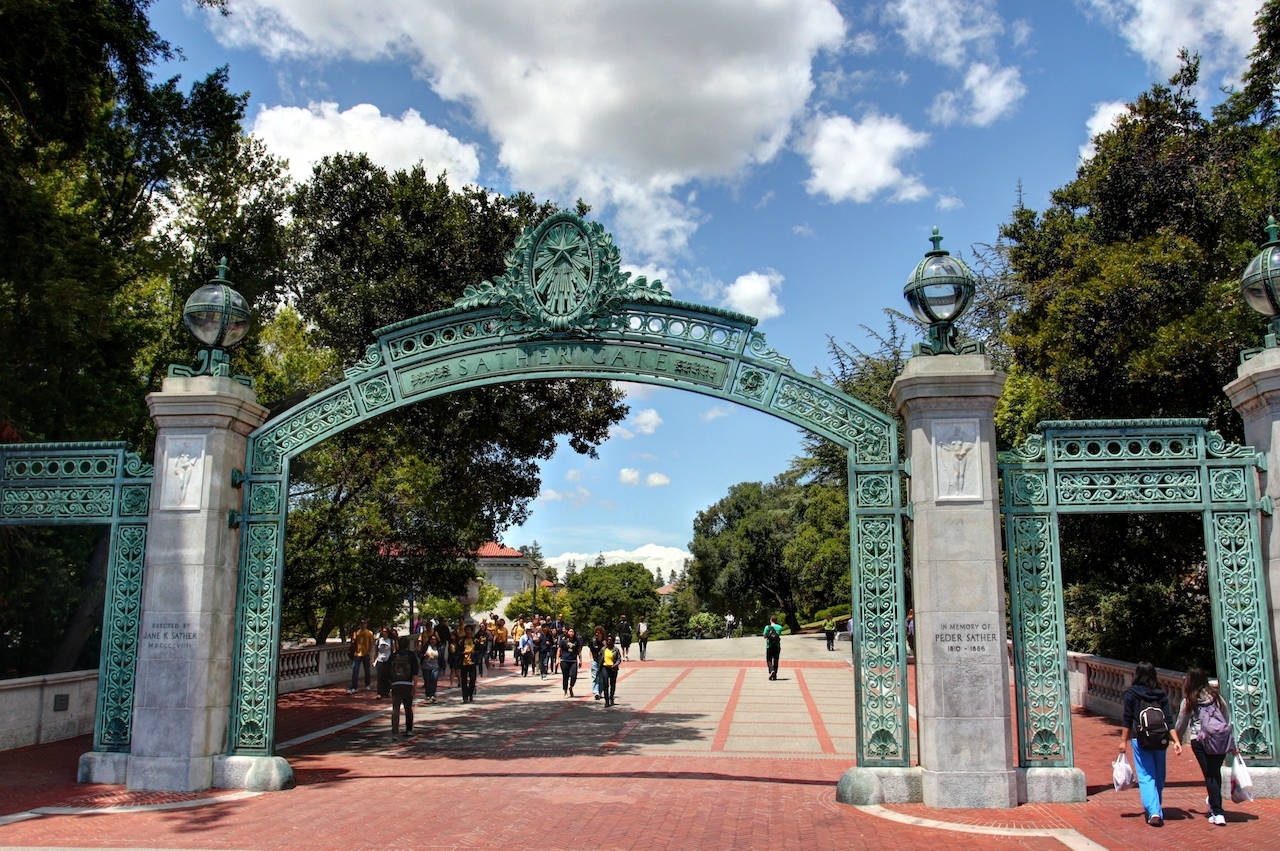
(601, 594)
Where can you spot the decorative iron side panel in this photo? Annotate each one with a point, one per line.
(1238, 597)
(879, 635)
(1039, 642)
(253, 686)
(113, 721)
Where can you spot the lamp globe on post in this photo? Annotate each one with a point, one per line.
(218, 317)
(1260, 282)
(939, 291)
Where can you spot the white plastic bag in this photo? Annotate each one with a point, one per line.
(1122, 774)
(1241, 782)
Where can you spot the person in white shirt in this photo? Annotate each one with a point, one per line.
(642, 635)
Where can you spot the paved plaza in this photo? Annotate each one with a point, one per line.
(701, 751)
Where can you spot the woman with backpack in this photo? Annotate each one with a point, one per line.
(1205, 713)
(1146, 720)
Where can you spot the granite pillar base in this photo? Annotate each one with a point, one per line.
(1051, 786)
(863, 786)
(254, 773)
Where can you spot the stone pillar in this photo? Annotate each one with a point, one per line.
(966, 752)
(1255, 394)
(183, 690)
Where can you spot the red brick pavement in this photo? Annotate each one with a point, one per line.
(359, 790)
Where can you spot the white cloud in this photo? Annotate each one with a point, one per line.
(949, 202)
(636, 390)
(621, 104)
(1103, 118)
(715, 412)
(765, 199)
(646, 420)
(623, 432)
(864, 43)
(574, 475)
(858, 161)
(802, 229)
(988, 93)
(629, 476)
(657, 480)
(1221, 31)
(652, 556)
(304, 136)
(946, 31)
(756, 294)
(578, 497)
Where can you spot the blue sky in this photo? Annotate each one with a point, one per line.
(782, 158)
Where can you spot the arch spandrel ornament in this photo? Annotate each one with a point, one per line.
(563, 308)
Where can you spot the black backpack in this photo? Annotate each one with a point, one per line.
(773, 637)
(402, 667)
(1151, 728)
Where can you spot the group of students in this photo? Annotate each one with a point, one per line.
(1203, 720)
(464, 649)
(555, 646)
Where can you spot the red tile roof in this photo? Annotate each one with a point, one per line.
(495, 550)
(667, 589)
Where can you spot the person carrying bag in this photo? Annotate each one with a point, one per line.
(1146, 725)
(1203, 720)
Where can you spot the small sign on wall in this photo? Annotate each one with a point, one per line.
(956, 459)
(183, 472)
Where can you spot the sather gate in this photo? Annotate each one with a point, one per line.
(564, 309)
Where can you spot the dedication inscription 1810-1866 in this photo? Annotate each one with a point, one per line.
(956, 639)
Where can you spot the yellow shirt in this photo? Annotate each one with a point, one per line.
(609, 655)
(364, 642)
(500, 635)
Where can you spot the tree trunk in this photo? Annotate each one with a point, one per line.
(88, 614)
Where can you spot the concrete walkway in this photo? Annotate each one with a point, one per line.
(701, 751)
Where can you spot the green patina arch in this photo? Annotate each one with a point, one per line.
(1107, 466)
(563, 309)
(97, 483)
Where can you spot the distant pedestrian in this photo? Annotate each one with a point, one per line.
(524, 649)
(402, 667)
(469, 651)
(570, 656)
(380, 665)
(546, 661)
(1205, 721)
(772, 646)
(500, 641)
(642, 636)
(729, 623)
(361, 655)
(431, 667)
(610, 660)
(596, 646)
(1147, 721)
(442, 630)
(455, 657)
(911, 631)
(829, 628)
(624, 638)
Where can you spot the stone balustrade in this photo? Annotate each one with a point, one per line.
(34, 710)
(1098, 683)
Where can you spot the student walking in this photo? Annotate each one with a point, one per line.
(642, 636)
(361, 651)
(772, 646)
(1146, 725)
(624, 638)
(469, 651)
(524, 650)
(385, 646)
(829, 628)
(570, 656)
(1205, 721)
(596, 646)
(402, 667)
(610, 660)
(431, 667)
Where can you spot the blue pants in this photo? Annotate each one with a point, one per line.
(356, 663)
(429, 678)
(1149, 766)
(595, 677)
